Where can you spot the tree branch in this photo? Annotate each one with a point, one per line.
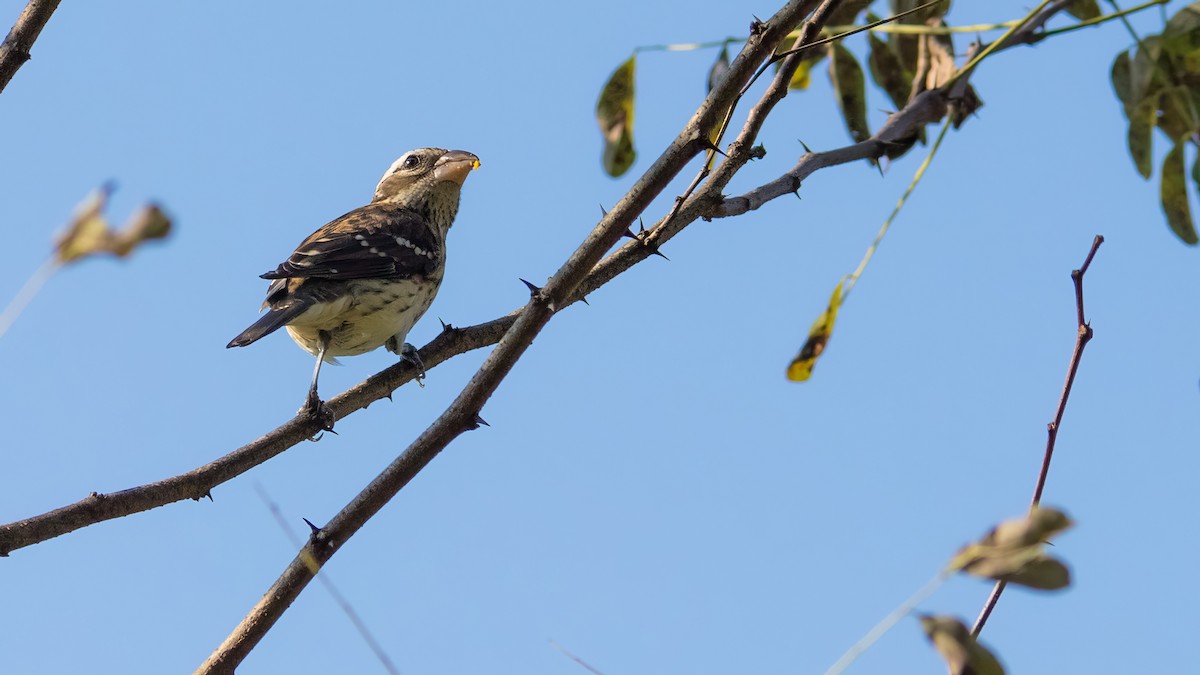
(926, 108)
(14, 51)
(1082, 337)
(463, 412)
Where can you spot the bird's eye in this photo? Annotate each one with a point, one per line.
(411, 162)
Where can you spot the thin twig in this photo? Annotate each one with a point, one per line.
(14, 51)
(880, 629)
(862, 265)
(23, 297)
(327, 582)
(1082, 337)
(574, 658)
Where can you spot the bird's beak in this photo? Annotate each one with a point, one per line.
(454, 166)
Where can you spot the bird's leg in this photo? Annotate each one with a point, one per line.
(407, 353)
(313, 405)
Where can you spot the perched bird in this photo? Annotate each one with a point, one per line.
(362, 281)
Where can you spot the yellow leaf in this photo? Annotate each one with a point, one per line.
(87, 233)
(818, 336)
(614, 112)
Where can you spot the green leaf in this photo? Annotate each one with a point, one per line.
(1175, 113)
(1084, 9)
(962, 653)
(1181, 37)
(1144, 75)
(1121, 80)
(847, 12)
(801, 367)
(849, 86)
(719, 68)
(888, 71)
(614, 112)
(1175, 197)
(939, 10)
(1142, 119)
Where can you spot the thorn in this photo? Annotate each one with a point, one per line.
(641, 226)
(314, 528)
(714, 147)
(805, 146)
(602, 211)
(389, 397)
(479, 421)
(583, 299)
(207, 493)
(533, 290)
(629, 233)
(797, 193)
(446, 327)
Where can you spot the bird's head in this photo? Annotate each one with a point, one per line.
(427, 180)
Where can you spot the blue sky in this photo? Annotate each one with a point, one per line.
(652, 494)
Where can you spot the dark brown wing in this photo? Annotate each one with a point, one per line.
(376, 241)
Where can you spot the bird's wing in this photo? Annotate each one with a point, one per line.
(375, 241)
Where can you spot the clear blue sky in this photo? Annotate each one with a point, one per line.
(652, 494)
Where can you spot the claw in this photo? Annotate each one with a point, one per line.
(320, 413)
(409, 354)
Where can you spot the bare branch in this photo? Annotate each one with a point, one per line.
(14, 51)
(1082, 337)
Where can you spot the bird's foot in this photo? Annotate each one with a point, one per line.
(408, 354)
(320, 413)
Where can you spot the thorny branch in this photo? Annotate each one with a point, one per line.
(928, 107)
(463, 413)
(14, 51)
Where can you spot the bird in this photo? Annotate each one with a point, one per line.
(363, 280)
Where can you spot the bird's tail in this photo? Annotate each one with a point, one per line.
(270, 322)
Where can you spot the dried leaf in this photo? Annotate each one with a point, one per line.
(1084, 9)
(1175, 198)
(1013, 552)
(849, 87)
(148, 223)
(818, 336)
(940, 52)
(963, 654)
(87, 233)
(614, 112)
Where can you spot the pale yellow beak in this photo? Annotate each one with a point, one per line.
(454, 166)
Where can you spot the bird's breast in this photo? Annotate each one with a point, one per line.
(366, 316)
